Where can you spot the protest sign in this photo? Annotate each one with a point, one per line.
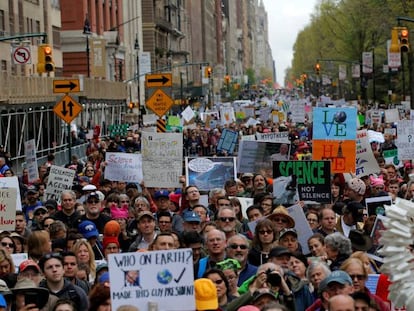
(188, 114)
(391, 115)
(311, 179)
(297, 111)
(280, 137)
(12, 182)
(164, 278)
(60, 179)
(391, 157)
(162, 155)
(341, 153)
(209, 172)
(123, 166)
(227, 115)
(366, 163)
(228, 141)
(334, 123)
(8, 209)
(255, 156)
(301, 225)
(405, 139)
(376, 238)
(375, 205)
(31, 160)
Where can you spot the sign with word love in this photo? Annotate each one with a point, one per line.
(8, 209)
(122, 166)
(161, 279)
(335, 123)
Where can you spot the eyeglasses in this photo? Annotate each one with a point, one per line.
(265, 231)
(40, 213)
(282, 220)
(90, 170)
(360, 277)
(93, 201)
(218, 282)
(235, 246)
(5, 244)
(224, 219)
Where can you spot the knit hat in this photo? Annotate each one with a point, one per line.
(357, 185)
(376, 181)
(248, 308)
(205, 294)
(112, 230)
(117, 213)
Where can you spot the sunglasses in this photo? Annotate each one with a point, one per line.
(360, 277)
(93, 201)
(218, 282)
(235, 246)
(282, 220)
(40, 213)
(265, 231)
(229, 219)
(53, 255)
(5, 244)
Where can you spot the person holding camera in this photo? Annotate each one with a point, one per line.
(269, 276)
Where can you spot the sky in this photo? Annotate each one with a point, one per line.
(286, 19)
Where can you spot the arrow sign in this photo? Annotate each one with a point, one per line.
(67, 109)
(66, 86)
(158, 80)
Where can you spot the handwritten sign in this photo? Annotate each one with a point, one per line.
(12, 182)
(8, 209)
(165, 278)
(365, 160)
(405, 139)
(162, 159)
(228, 140)
(334, 123)
(31, 161)
(341, 154)
(297, 111)
(60, 179)
(122, 166)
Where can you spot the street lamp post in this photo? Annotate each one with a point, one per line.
(87, 32)
(136, 47)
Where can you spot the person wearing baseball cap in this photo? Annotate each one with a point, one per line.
(162, 200)
(147, 231)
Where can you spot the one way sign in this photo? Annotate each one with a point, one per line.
(67, 109)
(66, 86)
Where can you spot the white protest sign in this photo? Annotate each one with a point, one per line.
(375, 117)
(391, 115)
(297, 111)
(31, 161)
(280, 137)
(227, 115)
(8, 209)
(60, 179)
(122, 166)
(301, 225)
(248, 137)
(162, 159)
(405, 139)
(165, 278)
(188, 114)
(366, 163)
(12, 182)
(149, 119)
(18, 258)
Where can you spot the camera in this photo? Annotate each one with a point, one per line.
(273, 278)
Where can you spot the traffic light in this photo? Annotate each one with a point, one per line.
(45, 59)
(318, 68)
(404, 44)
(131, 106)
(394, 46)
(227, 79)
(209, 71)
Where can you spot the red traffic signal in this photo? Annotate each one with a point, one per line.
(317, 68)
(45, 59)
(404, 42)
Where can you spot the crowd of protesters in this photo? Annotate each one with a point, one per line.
(235, 267)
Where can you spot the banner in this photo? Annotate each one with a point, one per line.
(162, 159)
(311, 179)
(207, 173)
(341, 153)
(162, 279)
(123, 166)
(279, 137)
(335, 123)
(60, 179)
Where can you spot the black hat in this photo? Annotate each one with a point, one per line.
(279, 251)
(51, 204)
(359, 240)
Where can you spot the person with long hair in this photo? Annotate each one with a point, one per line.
(85, 255)
(222, 286)
(316, 244)
(263, 241)
(100, 298)
(38, 244)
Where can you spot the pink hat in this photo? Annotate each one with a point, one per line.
(248, 308)
(117, 213)
(376, 181)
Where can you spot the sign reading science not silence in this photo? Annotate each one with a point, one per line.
(310, 178)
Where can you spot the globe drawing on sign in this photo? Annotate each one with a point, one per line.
(340, 117)
(164, 276)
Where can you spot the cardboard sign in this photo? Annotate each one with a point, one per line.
(312, 179)
(122, 166)
(164, 279)
(207, 173)
(31, 160)
(162, 159)
(341, 153)
(8, 198)
(60, 179)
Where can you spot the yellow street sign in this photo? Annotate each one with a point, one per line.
(160, 102)
(66, 86)
(158, 80)
(67, 109)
